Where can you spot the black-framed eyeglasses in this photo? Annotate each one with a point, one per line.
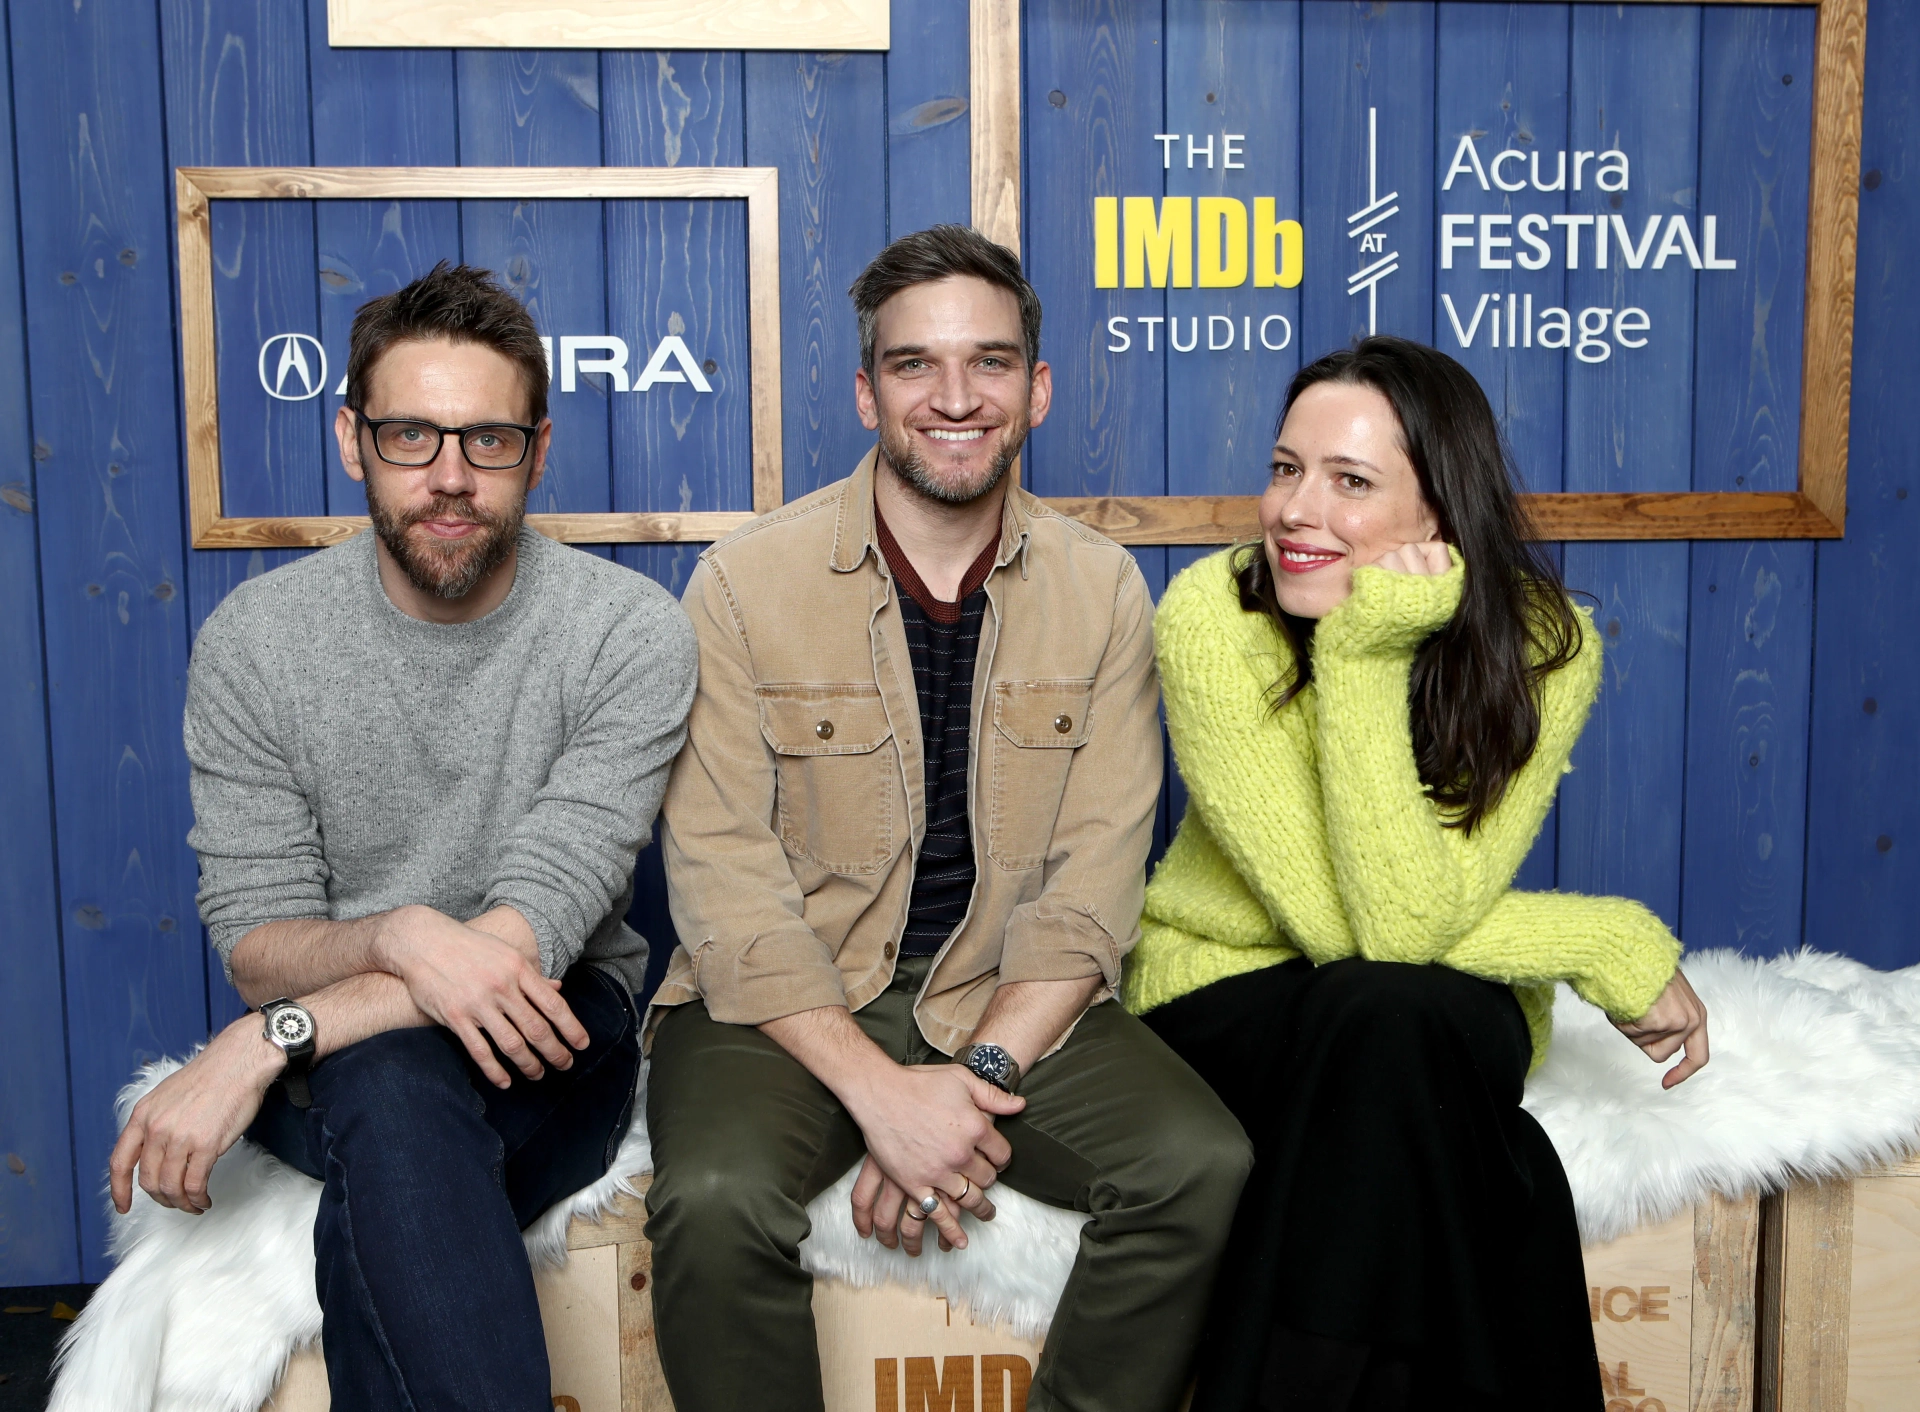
(488, 446)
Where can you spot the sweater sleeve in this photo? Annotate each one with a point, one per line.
(254, 830)
(1614, 952)
(1248, 769)
(570, 858)
(1413, 886)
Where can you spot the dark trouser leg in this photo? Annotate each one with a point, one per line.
(1401, 1200)
(743, 1138)
(1118, 1126)
(430, 1173)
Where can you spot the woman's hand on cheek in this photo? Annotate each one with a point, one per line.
(1428, 560)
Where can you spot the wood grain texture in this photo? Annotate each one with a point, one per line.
(1750, 618)
(622, 24)
(1221, 403)
(1726, 1267)
(1094, 97)
(535, 109)
(39, 1225)
(1826, 374)
(379, 108)
(930, 106)
(197, 185)
(1883, 1335)
(1502, 73)
(1805, 1282)
(820, 120)
(236, 91)
(99, 329)
(1352, 58)
(1863, 818)
(994, 86)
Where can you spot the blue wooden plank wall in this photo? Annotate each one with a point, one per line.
(1752, 772)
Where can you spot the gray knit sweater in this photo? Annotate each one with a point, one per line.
(348, 758)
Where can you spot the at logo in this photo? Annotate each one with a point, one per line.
(295, 376)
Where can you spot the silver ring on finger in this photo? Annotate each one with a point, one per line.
(966, 1190)
(928, 1205)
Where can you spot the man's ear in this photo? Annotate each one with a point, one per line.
(865, 400)
(1039, 394)
(346, 431)
(542, 440)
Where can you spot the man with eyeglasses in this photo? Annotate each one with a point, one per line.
(423, 763)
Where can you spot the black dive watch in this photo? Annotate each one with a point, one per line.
(992, 1063)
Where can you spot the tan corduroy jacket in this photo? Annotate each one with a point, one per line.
(797, 807)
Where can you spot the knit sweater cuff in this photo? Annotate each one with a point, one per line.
(1169, 963)
(1392, 613)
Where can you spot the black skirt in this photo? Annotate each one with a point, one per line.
(1407, 1237)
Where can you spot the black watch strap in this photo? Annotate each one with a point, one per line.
(294, 1080)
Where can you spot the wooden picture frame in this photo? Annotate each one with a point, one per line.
(609, 24)
(1816, 509)
(196, 187)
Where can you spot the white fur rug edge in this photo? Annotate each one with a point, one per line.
(1815, 1072)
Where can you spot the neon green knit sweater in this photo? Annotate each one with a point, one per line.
(1307, 830)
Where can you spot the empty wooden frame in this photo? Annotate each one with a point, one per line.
(609, 24)
(197, 186)
(1816, 509)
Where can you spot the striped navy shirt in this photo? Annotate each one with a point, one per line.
(943, 640)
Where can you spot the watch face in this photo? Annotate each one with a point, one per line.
(990, 1062)
(290, 1027)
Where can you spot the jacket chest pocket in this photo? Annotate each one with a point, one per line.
(1037, 726)
(836, 788)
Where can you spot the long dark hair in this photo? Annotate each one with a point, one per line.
(1474, 693)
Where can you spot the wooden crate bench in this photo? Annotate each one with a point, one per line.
(880, 1349)
(1674, 1308)
(1840, 1295)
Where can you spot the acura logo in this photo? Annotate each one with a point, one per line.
(299, 366)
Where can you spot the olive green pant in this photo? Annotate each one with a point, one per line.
(1116, 1126)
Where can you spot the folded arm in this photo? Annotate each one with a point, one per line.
(1248, 770)
(569, 859)
(1413, 886)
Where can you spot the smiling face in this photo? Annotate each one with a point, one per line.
(951, 396)
(448, 526)
(1343, 495)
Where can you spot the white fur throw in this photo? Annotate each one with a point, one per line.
(1815, 1071)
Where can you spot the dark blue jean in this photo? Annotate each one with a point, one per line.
(430, 1175)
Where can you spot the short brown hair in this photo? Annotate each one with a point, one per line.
(937, 253)
(456, 302)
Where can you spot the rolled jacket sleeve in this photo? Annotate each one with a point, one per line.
(1086, 918)
(735, 902)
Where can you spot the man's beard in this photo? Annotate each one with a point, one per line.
(447, 569)
(896, 444)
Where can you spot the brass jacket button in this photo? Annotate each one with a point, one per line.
(1063, 723)
(824, 730)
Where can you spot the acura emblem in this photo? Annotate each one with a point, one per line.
(292, 363)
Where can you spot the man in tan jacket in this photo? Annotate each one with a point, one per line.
(905, 846)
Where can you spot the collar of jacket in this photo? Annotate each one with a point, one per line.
(854, 536)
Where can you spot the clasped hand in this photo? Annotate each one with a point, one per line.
(929, 1130)
(481, 987)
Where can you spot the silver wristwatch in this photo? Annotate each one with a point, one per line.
(992, 1063)
(290, 1028)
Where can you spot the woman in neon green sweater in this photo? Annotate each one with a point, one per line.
(1372, 709)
